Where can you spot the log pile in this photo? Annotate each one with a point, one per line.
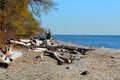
(51, 47)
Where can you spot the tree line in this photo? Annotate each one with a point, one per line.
(16, 19)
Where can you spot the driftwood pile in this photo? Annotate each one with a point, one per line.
(7, 55)
(51, 48)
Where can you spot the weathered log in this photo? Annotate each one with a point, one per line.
(36, 42)
(25, 40)
(55, 56)
(69, 48)
(7, 51)
(60, 59)
(76, 52)
(83, 50)
(7, 55)
(39, 43)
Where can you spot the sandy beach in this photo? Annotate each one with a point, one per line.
(59, 39)
(98, 64)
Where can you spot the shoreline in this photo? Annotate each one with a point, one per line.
(75, 44)
(89, 40)
(99, 64)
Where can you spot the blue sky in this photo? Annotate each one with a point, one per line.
(84, 17)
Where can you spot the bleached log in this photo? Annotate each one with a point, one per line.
(69, 48)
(20, 43)
(8, 55)
(38, 49)
(16, 42)
(36, 42)
(55, 56)
(13, 41)
(10, 58)
(60, 59)
(7, 51)
(4, 59)
(27, 44)
(25, 40)
(49, 46)
(48, 42)
(23, 44)
(76, 52)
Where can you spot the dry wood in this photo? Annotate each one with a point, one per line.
(56, 56)
(36, 45)
(71, 49)
(7, 51)
(60, 59)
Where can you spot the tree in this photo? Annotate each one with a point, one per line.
(16, 19)
(39, 6)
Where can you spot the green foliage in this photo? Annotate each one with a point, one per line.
(16, 19)
(18, 28)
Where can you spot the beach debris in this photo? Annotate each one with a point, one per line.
(15, 42)
(51, 47)
(8, 55)
(112, 57)
(84, 73)
(67, 67)
(25, 40)
(7, 51)
(56, 57)
(37, 58)
(38, 49)
(36, 42)
(61, 60)
(50, 44)
(68, 49)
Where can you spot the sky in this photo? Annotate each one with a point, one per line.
(84, 17)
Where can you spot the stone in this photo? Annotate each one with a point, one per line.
(84, 73)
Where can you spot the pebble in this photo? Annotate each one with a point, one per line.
(84, 73)
(68, 67)
(112, 57)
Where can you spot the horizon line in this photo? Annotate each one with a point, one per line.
(92, 34)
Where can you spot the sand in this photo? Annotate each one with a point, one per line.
(98, 64)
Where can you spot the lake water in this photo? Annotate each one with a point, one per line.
(106, 41)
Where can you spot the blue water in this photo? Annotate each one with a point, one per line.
(106, 41)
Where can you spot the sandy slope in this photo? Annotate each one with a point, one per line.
(101, 64)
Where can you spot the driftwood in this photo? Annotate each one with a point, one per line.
(71, 49)
(7, 51)
(7, 55)
(47, 47)
(60, 59)
(39, 43)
